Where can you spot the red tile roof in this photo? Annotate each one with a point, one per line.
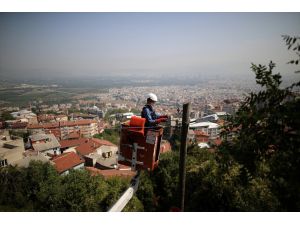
(19, 125)
(91, 145)
(67, 161)
(76, 123)
(74, 135)
(111, 173)
(87, 148)
(62, 124)
(45, 126)
(55, 131)
(200, 133)
(103, 142)
(72, 143)
(45, 117)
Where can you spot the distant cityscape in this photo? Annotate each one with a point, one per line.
(64, 133)
(62, 128)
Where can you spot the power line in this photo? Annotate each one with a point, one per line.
(124, 128)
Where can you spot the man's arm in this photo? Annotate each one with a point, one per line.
(157, 115)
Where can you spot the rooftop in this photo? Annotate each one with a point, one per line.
(107, 162)
(200, 133)
(62, 124)
(38, 137)
(209, 125)
(25, 161)
(214, 116)
(112, 172)
(10, 146)
(203, 145)
(74, 135)
(51, 143)
(66, 161)
(72, 143)
(91, 145)
(222, 114)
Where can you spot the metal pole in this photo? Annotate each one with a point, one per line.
(183, 150)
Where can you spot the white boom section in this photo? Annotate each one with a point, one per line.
(127, 195)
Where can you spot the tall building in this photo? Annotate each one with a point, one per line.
(212, 129)
(62, 130)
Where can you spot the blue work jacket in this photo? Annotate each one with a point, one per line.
(150, 115)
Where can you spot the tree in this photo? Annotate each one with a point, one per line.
(294, 45)
(145, 192)
(213, 187)
(6, 116)
(40, 188)
(158, 189)
(112, 135)
(113, 111)
(268, 139)
(175, 139)
(83, 192)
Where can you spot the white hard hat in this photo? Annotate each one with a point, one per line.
(152, 96)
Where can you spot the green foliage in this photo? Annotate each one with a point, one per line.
(213, 187)
(210, 186)
(112, 135)
(175, 139)
(83, 192)
(52, 112)
(294, 45)
(136, 111)
(134, 205)
(145, 192)
(40, 188)
(73, 110)
(20, 133)
(113, 111)
(262, 119)
(6, 116)
(166, 180)
(268, 138)
(158, 189)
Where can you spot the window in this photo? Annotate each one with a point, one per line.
(107, 154)
(3, 163)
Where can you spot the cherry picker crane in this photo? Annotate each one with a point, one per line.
(140, 149)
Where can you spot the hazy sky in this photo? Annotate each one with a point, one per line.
(95, 44)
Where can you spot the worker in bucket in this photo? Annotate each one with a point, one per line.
(152, 118)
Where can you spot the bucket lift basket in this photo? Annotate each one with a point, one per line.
(139, 146)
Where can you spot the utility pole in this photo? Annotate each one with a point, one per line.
(183, 150)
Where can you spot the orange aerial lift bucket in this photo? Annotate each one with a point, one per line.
(139, 146)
